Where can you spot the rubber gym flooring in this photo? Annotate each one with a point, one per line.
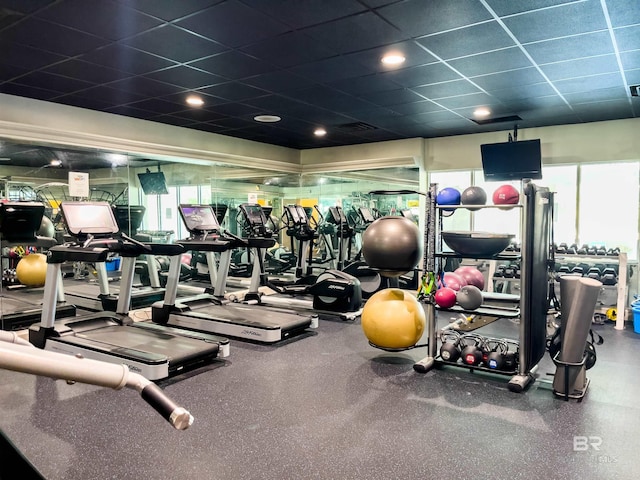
(329, 406)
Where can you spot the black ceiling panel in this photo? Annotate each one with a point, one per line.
(175, 43)
(74, 14)
(318, 62)
(233, 24)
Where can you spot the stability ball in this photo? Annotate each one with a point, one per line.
(32, 270)
(448, 196)
(392, 245)
(473, 196)
(471, 275)
(47, 228)
(393, 318)
(453, 281)
(506, 195)
(445, 297)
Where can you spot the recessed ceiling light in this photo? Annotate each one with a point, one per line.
(267, 118)
(481, 112)
(195, 101)
(393, 59)
(319, 132)
(55, 162)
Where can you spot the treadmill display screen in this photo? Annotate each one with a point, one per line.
(89, 218)
(365, 213)
(302, 213)
(294, 215)
(199, 218)
(254, 214)
(336, 215)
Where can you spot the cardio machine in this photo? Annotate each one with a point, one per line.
(152, 350)
(332, 292)
(19, 223)
(211, 312)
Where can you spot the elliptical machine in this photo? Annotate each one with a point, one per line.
(333, 292)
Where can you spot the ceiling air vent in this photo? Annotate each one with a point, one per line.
(355, 127)
(485, 121)
(634, 90)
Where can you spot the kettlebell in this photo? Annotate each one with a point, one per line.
(450, 348)
(471, 354)
(496, 349)
(511, 357)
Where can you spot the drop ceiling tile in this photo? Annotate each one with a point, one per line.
(199, 114)
(126, 59)
(175, 44)
(232, 123)
(618, 93)
(26, 57)
(633, 76)
(332, 69)
(77, 69)
(172, 120)
(414, 54)
(552, 23)
(447, 89)
(329, 98)
(623, 12)
(616, 109)
(470, 100)
(57, 83)
(279, 81)
(83, 102)
(275, 103)
(131, 112)
(151, 88)
(392, 97)
(26, 6)
(571, 47)
(27, 91)
(233, 24)
(10, 71)
(186, 77)
(233, 65)
(74, 14)
(628, 38)
(424, 75)
(581, 67)
(237, 110)
(593, 82)
(491, 62)
(289, 49)
(509, 7)
(111, 95)
(630, 60)
(51, 38)
(234, 91)
(417, 107)
(358, 32)
(299, 15)
(364, 85)
(169, 9)
(417, 17)
(158, 106)
(510, 94)
(468, 41)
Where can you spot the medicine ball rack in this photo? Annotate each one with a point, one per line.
(534, 256)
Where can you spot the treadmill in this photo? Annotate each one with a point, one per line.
(21, 306)
(147, 348)
(103, 294)
(211, 312)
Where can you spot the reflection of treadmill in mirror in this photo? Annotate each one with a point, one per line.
(147, 348)
(103, 294)
(211, 312)
(20, 306)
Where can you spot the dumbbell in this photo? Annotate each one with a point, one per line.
(500, 270)
(472, 354)
(609, 277)
(613, 252)
(601, 250)
(561, 249)
(594, 273)
(450, 348)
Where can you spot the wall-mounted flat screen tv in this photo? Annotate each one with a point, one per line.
(512, 160)
(153, 183)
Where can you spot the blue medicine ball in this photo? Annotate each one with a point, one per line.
(448, 196)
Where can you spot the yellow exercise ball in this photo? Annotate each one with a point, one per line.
(32, 270)
(393, 318)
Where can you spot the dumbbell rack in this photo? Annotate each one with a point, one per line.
(533, 302)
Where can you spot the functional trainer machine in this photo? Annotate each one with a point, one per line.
(145, 347)
(333, 292)
(19, 222)
(210, 312)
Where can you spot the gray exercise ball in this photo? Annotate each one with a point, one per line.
(392, 245)
(47, 229)
(473, 196)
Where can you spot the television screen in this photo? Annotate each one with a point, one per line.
(153, 183)
(199, 218)
(19, 221)
(512, 160)
(129, 218)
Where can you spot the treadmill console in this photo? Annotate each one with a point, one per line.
(336, 216)
(366, 215)
(255, 220)
(129, 218)
(89, 218)
(199, 218)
